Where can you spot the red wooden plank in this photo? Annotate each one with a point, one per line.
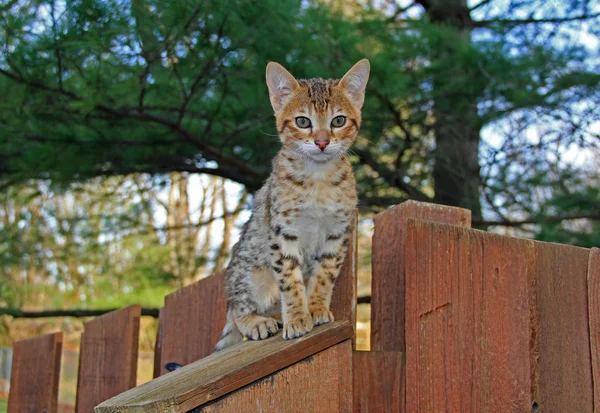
(388, 279)
(294, 389)
(194, 320)
(108, 357)
(594, 320)
(343, 300)
(564, 374)
(378, 381)
(35, 374)
(469, 300)
(229, 370)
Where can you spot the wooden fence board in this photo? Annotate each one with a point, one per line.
(594, 320)
(320, 384)
(564, 374)
(343, 301)
(194, 320)
(468, 307)
(108, 357)
(35, 374)
(378, 382)
(223, 372)
(388, 278)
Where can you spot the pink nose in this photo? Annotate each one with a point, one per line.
(322, 143)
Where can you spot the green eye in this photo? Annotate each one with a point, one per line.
(303, 122)
(338, 121)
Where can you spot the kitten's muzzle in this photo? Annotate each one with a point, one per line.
(322, 143)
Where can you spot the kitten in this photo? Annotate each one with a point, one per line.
(301, 221)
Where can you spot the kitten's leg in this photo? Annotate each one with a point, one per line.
(286, 263)
(231, 334)
(320, 284)
(244, 307)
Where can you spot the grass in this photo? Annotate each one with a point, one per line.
(3, 406)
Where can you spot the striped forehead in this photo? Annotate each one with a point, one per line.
(319, 91)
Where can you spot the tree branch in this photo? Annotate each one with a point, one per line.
(516, 22)
(394, 178)
(538, 220)
(118, 113)
(16, 313)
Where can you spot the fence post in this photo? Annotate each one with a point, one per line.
(35, 374)
(388, 278)
(343, 300)
(561, 331)
(108, 357)
(194, 317)
(379, 374)
(470, 303)
(593, 279)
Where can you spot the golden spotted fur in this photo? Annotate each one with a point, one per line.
(291, 250)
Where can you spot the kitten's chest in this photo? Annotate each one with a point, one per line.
(313, 226)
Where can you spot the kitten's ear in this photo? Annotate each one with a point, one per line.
(281, 84)
(355, 81)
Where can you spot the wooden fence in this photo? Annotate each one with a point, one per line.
(462, 321)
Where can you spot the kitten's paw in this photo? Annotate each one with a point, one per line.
(321, 315)
(297, 327)
(259, 328)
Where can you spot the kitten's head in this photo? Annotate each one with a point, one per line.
(318, 118)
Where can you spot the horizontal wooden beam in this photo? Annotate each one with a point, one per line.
(223, 372)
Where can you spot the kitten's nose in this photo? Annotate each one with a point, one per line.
(322, 143)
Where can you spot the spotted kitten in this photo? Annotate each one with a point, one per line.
(293, 246)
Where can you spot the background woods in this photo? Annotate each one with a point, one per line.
(133, 133)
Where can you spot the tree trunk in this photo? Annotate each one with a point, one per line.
(457, 128)
(204, 254)
(172, 231)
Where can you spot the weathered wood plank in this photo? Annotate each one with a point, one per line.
(469, 300)
(594, 320)
(194, 320)
(388, 278)
(35, 374)
(564, 374)
(379, 382)
(108, 357)
(343, 301)
(223, 372)
(319, 384)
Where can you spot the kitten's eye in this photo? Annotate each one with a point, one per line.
(303, 122)
(338, 121)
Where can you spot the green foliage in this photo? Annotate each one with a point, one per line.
(98, 95)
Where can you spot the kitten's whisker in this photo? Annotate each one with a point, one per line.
(268, 134)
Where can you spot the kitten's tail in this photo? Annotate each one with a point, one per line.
(231, 334)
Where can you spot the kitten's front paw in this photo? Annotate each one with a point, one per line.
(321, 315)
(297, 327)
(259, 328)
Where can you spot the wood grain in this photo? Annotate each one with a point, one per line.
(563, 373)
(194, 320)
(343, 301)
(319, 384)
(469, 300)
(379, 382)
(108, 357)
(224, 372)
(594, 320)
(388, 278)
(35, 374)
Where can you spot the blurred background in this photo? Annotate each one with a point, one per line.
(133, 134)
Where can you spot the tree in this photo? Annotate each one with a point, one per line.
(104, 88)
